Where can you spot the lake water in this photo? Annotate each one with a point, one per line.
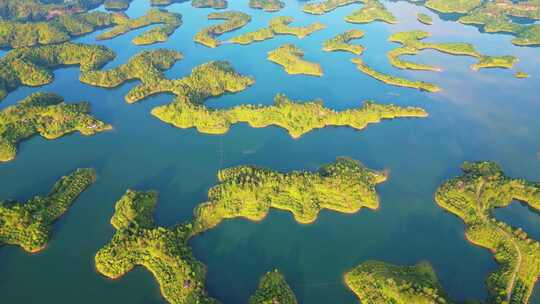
(485, 115)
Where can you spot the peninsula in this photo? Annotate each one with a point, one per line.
(341, 42)
(233, 21)
(273, 289)
(321, 8)
(290, 57)
(472, 197)
(29, 224)
(373, 10)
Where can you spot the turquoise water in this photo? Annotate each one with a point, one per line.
(485, 115)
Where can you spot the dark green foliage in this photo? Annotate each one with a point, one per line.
(29, 224)
(273, 289)
(233, 21)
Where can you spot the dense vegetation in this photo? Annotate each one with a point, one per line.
(344, 186)
(373, 10)
(32, 66)
(170, 22)
(47, 115)
(472, 197)
(117, 5)
(424, 18)
(341, 42)
(40, 10)
(321, 8)
(296, 117)
(147, 66)
(377, 282)
(281, 26)
(278, 26)
(29, 224)
(138, 241)
(453, 6)
(273, 289)
(233, 21)
(412, 44)
(217, 4)
(393, 80)
(14, 34)
(290, 57)
(267, 5)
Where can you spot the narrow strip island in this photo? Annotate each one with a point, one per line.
(393, 80)
(250, 192)
(298, 118)
(373, 10)
(424, 18)
(412, 44)
(29, 224)
(273, 289)
(170, 22)
(233, 21)
(278, 26)
(341, 42)
(290, 57)
(472, 197)
(267, 5)
(321, 8)
(44, 114)
(378, 282)
(32, 66)
(244, 191)
(453, 6)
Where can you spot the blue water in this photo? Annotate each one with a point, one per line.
(485, 115)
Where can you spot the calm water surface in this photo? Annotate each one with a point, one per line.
(485, 115)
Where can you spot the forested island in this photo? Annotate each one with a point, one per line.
(273, 289)
(424, 18)
(341, 42)
(170, 22)
(267, 5)
(217, 4)
(117, 5)
(233, 21)
(38, 10)
(278, 26)
(378, 282)
(29, 224)
(244, 191)
(32, 66)
(250, 192)
(373, 10)
(453, 6)
(393, 80)
(412, 44)
(472, 197)
(323, 7)
(291, 58)
(44, 114)
(298, 118)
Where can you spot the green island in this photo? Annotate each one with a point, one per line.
(298, 118)
(39, 10)
(377, 282)
(522, 75)
(412, 44)
(117, 5)
(233, 21)
(290, 57)
(281, 26)
(472, 197)
(424, 18)
(170, 22)
(45, 114)
(217, 4)
(273, 289)
(267, 5)
(32, 66)
(15, 34)
(250, 192)
(393, 80)
(244, 191)
(29, 224)
(453, 6)
(146, 66)
(321, 8)
(165, 252)
(373, 10)
(278, 26)
(496, 17)
(341, 42)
